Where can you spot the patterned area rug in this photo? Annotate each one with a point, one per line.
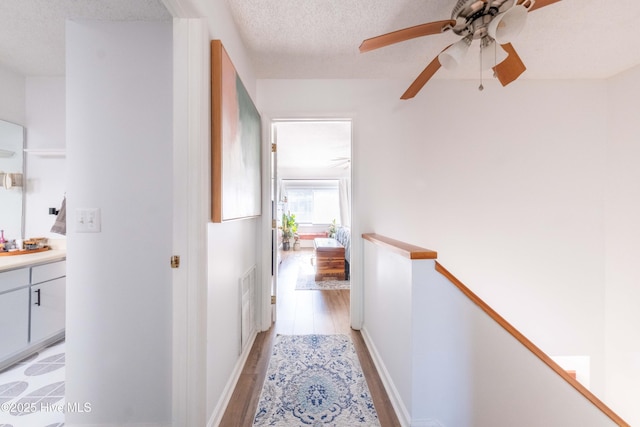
(307, 277)
(308, 282)
(315, 380)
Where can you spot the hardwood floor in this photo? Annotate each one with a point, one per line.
(302, 312)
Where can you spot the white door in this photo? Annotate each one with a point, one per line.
(275, 221)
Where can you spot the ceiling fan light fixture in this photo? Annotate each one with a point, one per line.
(491, 53)
(493, 22)
(506, 26)
(451, 57)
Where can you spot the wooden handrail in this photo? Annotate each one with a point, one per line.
(531, 346)
(416, 252)
(404, 249)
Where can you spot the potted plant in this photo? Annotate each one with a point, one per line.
(333, 227)
(289, 228)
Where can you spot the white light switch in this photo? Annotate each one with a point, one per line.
(88, 220)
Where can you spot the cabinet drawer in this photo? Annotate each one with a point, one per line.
(45, 272)
(14, 279)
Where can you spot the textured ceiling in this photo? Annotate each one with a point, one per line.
(314, 145)
(320, 38)
(32, 31)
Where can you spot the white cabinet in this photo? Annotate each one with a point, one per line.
(13, 279)
(47, 309)
(32, 308)
(14, 319)
(45, 272)
(47, 300)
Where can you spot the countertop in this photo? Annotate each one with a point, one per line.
(17, 261)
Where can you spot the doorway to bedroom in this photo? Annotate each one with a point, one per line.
(311, 199)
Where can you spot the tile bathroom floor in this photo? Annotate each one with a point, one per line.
(32, 391)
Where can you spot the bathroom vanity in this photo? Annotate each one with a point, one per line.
(32, 303)
(32, 280)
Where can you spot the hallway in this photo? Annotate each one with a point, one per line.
(302, 312)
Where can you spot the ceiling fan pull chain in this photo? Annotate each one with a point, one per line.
(480, 88)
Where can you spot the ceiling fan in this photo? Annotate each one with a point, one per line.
(493, 22)
(341, 162)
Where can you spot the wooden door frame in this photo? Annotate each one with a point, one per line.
(190, 217)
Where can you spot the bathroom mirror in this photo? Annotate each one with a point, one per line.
(11, 180)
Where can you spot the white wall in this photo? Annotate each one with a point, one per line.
(232, 251)
(232, 248)
(45, 124)
(622, 249)
(389, 295)
(446, 362)
(12, 101)
(222, 27)
(119, 159)
(505, 184)
(38, 104)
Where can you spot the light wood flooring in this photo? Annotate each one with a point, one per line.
(302, 312)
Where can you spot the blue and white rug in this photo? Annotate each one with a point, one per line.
(307, 278)
(309, 283)
(315, 380)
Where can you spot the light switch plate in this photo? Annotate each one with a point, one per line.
(88, 220)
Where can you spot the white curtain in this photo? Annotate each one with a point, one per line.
(344, 189)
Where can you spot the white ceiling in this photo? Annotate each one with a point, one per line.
(32, 31)
(320, 38)
(313, 145)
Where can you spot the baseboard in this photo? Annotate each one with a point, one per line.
(221, 406)
(31, 349)
(427, 423)
(392, 392)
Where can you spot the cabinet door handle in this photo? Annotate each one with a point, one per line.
(38, 300)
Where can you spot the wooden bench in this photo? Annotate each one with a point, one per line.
(329, 258)
(311, 236)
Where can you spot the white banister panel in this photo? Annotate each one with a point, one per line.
(446, 362)
(387, 296)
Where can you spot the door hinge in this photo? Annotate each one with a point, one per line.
(273, 299)
(274, 148)
(274, 223)
(175, 261)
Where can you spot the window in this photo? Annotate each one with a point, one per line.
(313, 201)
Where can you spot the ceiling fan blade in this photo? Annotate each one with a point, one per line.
(511, 68)
(538, 4)
(406, 34)
(423, 78)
